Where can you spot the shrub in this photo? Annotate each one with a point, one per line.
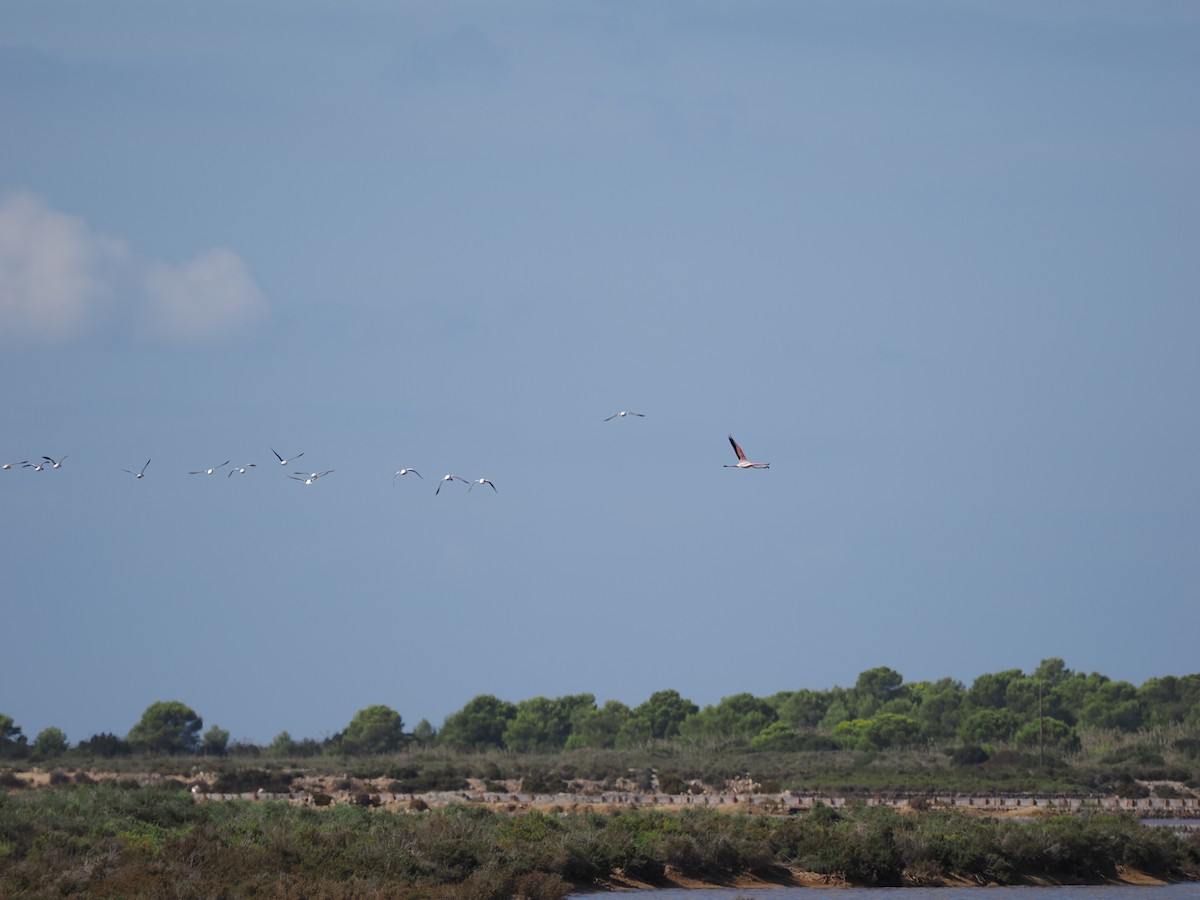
(105, 745)
(671, 783)
(541, 782)
(1135, 754)
(240, 781)
(969, 755)
(410, 779)
(1189, 747)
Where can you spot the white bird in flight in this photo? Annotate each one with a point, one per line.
(481, 481)
(37, 467)
(282, 461)
(139, 473)
(406, 472)
(22, 463)
(209, 471)
(446, 478)
(309, 477)
(55, 464)
(742, 462)
(241, 470)
(622, 414)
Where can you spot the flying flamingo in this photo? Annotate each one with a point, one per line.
(282, 461)
(742, 462)
(623, 413)
(53, 463)
(309, 477)
(138, 474)
(209, 471)
(446, 478)
(480, 481)
(406, 472)
(22, 463)
(37, 467)
(241, 470)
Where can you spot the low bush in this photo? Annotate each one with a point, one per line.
(240, 781)
(105, 841)
(969, 755)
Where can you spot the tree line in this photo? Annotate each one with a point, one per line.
(1048, 708)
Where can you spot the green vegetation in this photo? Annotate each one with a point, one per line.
(167, 727)
(1050, 730)
(109, 841)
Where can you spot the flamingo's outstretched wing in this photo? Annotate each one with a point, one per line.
(737, 449)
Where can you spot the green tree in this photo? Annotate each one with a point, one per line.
(1115, 705)
(374, 729)
(281, 745)
(891, 730)
(661, 714)
(840, 708)
(802, 708)
(988, 726)
(876, 733)
(167, 726)
(1052, 672)
(988, 690)
(740, 716)
(599, 727)
(1169, 699)
(106, 745)
(1054, 734)
(1072, 694)
(778, 737)
(852, 734)
(216, 741)
(875, 687)
(50, 743)
(424, 734)
(941, 708)
(479, 724)
(13, 744)
(542, 723)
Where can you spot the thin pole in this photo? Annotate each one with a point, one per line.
(1041, 756)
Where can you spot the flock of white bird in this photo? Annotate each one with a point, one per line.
(310, 478)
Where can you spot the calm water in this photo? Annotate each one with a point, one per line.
(1073, 892)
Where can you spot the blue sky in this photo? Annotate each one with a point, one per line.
(935, 262)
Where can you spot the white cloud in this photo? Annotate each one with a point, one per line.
(210, 297)
(55, 274)
(59, 280)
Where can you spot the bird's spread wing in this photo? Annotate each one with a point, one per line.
(277, 456)
(737, 449)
